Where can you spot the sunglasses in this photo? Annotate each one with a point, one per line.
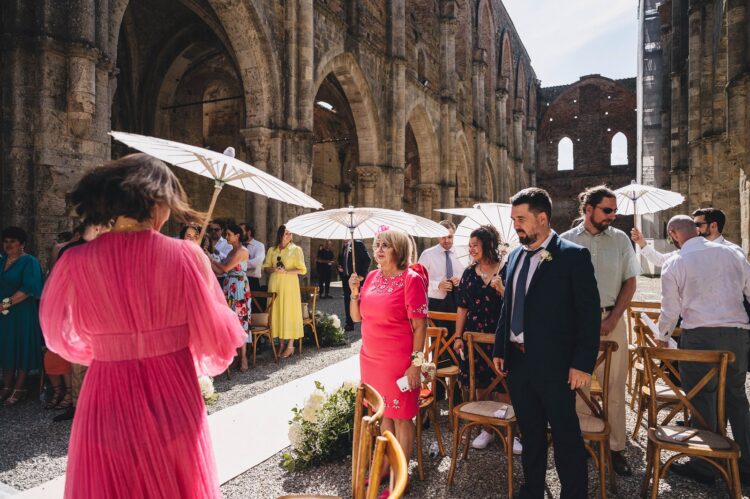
(699, 224)
(608, 211)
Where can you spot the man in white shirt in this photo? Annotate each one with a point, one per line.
(445, 271)
(705, 284)
(257, 251)
(710, 223)
(221, 246)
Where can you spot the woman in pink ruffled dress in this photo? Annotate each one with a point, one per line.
(146, 312)
(392, 307)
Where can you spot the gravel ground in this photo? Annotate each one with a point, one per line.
(34, 448)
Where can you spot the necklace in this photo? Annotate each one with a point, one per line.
(127, 224)
(485, 275)
(10, 261)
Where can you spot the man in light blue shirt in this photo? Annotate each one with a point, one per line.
(616, 269)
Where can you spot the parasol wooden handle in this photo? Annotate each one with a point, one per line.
(214, 197)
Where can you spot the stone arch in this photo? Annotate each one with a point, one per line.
(521, 86)
(357, 90)
(429, 152)
(486, 36)
(506, 62)
(251, 49)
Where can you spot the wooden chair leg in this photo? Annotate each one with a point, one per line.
(509, 458)
(454, 449)
(602, 471)
(451, 387)
(636, 389)
(611, 470)
(436, 424)
(649, 469)
(273, 348)
(736, 486)
(468, 442)
(657, 472)
(641, 411)
(420, 458)
(300, 341)
(315, 335)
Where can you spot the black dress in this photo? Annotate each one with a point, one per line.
(482, 304)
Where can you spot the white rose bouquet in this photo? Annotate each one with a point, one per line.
(321, 430)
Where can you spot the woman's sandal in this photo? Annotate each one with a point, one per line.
(67, 400)
(288, 352)
(57, 396)
(16, 396)
(5, 393)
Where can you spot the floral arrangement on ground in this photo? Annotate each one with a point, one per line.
(321, 430)
(330, 332)
(206, 384)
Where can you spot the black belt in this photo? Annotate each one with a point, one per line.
(608, 309)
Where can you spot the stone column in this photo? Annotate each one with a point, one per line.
(367, 179)
(397, 51)
(464, 202)
(448, 26)
(305, 46)
(82, 59)
(291, 61)
(518, 120)
(738, 87)
(479, 69)
(257, 143)
(501, 114)
(426, 200)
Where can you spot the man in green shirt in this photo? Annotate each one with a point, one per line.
(616, 269)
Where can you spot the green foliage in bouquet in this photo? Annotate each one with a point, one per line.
(330, 332)
(321, 431)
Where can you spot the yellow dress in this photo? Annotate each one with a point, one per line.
(286, 321)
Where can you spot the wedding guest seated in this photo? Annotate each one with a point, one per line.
(479, 297)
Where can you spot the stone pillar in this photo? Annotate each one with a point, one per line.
(464, 202)
(738, 76)
(501, 116)
(479, 69)
(448, 26)
(257, 143)
(397, 49)
(695, 13)
(305, 45)
(427, 200)
(518, 121)
(367, 179)
(291, 61)
(82, 60)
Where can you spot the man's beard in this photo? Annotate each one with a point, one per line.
(704, 234)
(601, 226)
(528, 238)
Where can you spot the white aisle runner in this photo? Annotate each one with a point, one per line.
(246, 434)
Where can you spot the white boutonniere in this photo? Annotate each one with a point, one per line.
(545, 255)
(5, 306)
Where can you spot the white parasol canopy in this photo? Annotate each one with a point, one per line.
(495, 214)
(361, 223)
(637, 199)
(222, 168)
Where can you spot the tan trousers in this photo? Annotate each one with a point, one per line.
(618, 373)
(77, 372)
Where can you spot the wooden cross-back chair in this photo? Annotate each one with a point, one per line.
(446, 375)
(388, 446)
(260, 328)
(595, 424)
(709, 445)
(366, 431)
(663, 396)
(309, 296)
(480, 411)
(427, 398)
(632, 316)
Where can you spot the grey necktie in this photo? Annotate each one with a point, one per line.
(448, 264)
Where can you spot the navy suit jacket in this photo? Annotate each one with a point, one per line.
(562, 316)
(363, 261)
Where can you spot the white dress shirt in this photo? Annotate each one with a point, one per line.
(222, 248)
(659, 259)
(536, 259)
(257, 252)
(705, 283)
(433, 260)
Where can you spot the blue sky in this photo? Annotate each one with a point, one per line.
(567, 39)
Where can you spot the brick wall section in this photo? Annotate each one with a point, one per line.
(589, 112)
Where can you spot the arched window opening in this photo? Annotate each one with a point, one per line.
(565, 154)
(619, 155)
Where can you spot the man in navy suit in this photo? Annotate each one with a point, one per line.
(547, 342)
(346, 269)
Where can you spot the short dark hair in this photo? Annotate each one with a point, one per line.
(537, 199)
(490, 239)
(15, 233)
(250, 230)
(712, 215)
(65, 236)
(185, 228)
(130, 186)
(237, 229)
(220, 222)
(593, 196)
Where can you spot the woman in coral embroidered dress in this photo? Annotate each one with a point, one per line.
(393, 310)
(145, 311)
